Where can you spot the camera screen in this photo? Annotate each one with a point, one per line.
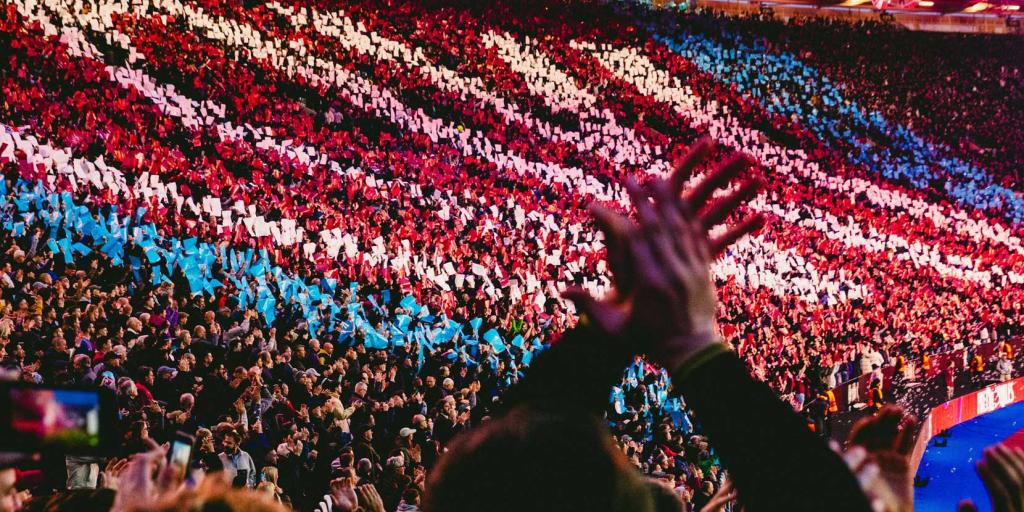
(180, 452)
(54, 417)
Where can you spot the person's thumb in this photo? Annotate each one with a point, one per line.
(966, 506)
(600, 314)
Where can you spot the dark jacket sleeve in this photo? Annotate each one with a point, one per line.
(776, 462)
(576, 373)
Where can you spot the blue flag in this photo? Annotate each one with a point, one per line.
(495, 340)
(374, 340)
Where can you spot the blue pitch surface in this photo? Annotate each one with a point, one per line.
(951, 468)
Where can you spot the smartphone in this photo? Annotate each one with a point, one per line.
(241, 478)
(76, 421)
(180, 454)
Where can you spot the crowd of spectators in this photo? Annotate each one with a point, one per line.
(275, 411)
(791, 84)
(917, 78)
(443, 154)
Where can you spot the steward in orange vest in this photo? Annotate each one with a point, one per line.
(1006, 348)
(833, 407)
(876, 399)
(977, 364)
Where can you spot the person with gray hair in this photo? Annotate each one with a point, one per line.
(393, 482)
(82, 372)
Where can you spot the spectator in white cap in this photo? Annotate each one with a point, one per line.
(407, 448)
(393, 482)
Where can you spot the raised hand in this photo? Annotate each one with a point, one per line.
(1001, 468)
(369, 498)
(111, 474)
(343, 493)
(146, 479)
(726, 494)
(664, 297)
(888, 439)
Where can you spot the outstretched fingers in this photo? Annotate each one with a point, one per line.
(748, 225)
(720, 209)
(646, 217)
(649, 269)
(1005, 469)
(891, 430)
(719, 177)
(680, 240)
(698, 152)
(669, 240)
(603, 314)
(617, 230)
(997, 491)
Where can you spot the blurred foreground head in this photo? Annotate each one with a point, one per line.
(537, 460)
(218, 497)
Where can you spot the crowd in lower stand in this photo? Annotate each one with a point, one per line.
(326, 240)
(920, 83)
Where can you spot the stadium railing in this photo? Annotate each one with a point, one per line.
(964, 408)
(856, 390)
